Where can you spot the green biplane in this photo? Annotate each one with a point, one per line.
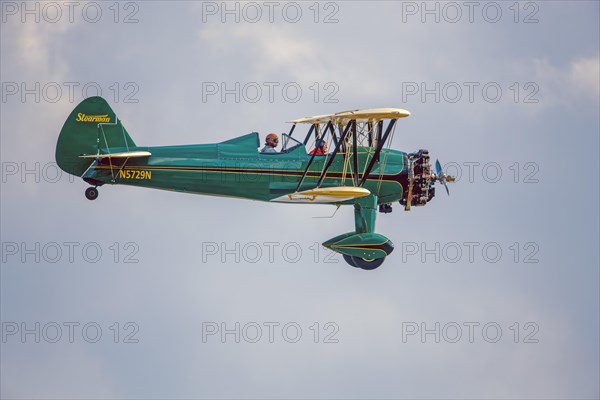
(359, 170)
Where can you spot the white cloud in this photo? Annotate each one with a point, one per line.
(34, 48)
(577, 81)
(584, 74)
(33, 51)
(285, 51)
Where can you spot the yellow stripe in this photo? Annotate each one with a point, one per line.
(352, 245)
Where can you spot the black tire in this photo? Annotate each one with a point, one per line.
(349, 260)
(367, 264)
(91, 193)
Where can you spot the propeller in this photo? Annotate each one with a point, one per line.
(438, 175)
(441, 176)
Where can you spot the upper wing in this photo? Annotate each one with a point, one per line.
(372, 114)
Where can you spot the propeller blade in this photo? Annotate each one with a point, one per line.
(442, 177)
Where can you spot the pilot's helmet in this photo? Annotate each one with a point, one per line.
(319, 143)
(273, 138)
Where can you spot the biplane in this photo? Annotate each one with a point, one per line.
(360, 168)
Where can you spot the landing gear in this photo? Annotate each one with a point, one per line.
(366, 264)
(91, 193)
(349, 260)
(363, 263)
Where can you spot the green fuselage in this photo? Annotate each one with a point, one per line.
(237, 169)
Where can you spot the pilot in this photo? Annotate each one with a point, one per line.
(270, 143)
(320, 148)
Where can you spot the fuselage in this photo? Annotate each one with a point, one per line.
(237, 169)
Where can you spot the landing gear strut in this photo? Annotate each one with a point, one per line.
(91, 193)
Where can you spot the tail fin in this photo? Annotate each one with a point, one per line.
(91, 127)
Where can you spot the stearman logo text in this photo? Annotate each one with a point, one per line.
(81, 117)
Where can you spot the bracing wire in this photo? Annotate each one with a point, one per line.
(385, 157)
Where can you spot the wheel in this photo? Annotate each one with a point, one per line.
(349, 260)
(91, 193)
(367, 264)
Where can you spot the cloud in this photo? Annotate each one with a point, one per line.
(35, 48)
(584, 75)
(284, 51)
(578, 80)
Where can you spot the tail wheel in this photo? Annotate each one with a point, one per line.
(91, 193)
(367, 264)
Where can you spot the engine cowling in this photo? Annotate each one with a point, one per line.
(423, 179)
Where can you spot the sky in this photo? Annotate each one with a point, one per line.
(491, 292)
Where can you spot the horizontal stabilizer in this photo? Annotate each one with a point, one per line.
(124, 154)
(325, 195)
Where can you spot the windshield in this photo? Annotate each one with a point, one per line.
(289, 143)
